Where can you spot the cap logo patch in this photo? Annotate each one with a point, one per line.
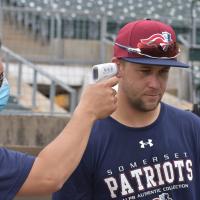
(163, 40)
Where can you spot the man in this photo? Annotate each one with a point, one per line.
(146, 149)
(21, 174)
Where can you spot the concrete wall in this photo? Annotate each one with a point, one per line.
(30, 130)
(72, 50)
(80, 51)
(179, 78)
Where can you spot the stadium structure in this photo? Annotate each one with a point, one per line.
(49, 46)
(67, 37)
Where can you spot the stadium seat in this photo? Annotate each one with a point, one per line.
(177, 13)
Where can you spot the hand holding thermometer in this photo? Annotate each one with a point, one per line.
(104, 71)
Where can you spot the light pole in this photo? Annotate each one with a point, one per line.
(192, 46)
(1, 19)
(193, 23)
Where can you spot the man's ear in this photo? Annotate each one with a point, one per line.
(119, 66)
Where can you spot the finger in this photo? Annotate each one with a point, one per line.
(111, 81)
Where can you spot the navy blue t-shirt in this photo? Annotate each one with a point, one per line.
(157, 162)
(14, 169)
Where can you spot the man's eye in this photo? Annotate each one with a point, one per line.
(164, 71)
(146, 71)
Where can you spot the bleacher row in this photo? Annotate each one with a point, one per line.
(85, 15)
(179, 9)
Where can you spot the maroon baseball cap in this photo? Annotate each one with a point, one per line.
(148, 42)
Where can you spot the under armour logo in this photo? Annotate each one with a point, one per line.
(144, 144)
(163, 196)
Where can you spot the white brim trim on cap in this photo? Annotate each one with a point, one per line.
(157, 61)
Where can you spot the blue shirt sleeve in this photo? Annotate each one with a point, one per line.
(14, 169)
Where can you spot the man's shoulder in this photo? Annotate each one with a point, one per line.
(103, 129)
(178, 113)
(103, 123)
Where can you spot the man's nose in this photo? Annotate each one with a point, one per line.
(153, 81)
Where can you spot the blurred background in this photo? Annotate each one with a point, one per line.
(49, 47)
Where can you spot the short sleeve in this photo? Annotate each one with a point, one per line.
(14, 169)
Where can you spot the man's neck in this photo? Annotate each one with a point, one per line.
(134, 118)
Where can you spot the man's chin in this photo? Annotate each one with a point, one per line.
(145, 105)
(150, 106)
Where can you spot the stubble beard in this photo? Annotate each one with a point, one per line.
(140, 105)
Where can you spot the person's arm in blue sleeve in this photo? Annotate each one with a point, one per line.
(14, 169)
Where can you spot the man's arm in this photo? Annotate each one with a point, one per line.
(56, 161)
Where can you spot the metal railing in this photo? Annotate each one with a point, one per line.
(9, 55)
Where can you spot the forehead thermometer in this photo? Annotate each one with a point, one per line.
(104, 71)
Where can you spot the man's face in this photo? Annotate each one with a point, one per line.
(143, 85)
